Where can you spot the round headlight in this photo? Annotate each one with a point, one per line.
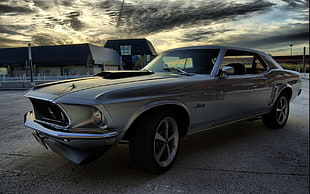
(98, 118)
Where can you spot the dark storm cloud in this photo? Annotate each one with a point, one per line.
(55, 7)
(160, 16)
(298, 9)
(298, 37)
(73, 20)
(69, 19)
(44, 39)
(6, 42)
(201, 35)
(51, 21)
(14, 9)
(296, 4)
(11, 29)
(49, 4)
(295, 37)
(43, 4)
(111, 8)
(66, 3)
(295, 34)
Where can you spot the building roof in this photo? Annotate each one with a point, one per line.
(139, 46)
(58, 55)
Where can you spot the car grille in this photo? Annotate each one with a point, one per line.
(49, 114)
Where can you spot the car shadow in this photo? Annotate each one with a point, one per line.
(211, 145)
(117, 161)
(116, 167)
(217, 137)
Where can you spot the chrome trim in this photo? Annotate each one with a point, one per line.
(273, 95)
(227, 123)
(299, 92)
(30, 122)
(65, 112)
(63, 127)
(218, 62)
(58, 127)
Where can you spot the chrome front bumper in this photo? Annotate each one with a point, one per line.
(76, 147)
(29, 121)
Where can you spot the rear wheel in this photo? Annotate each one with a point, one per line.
(277, 118)
(154, 142)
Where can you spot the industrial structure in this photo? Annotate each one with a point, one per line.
(64, 60)
(135, 53)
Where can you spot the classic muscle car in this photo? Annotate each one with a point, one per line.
(181, 92)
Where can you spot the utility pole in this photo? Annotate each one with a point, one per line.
(30, 62)
(304, 60)
(291, 45)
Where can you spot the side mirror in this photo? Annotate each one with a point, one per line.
(227, 70)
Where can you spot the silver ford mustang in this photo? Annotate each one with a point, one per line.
(181, 92)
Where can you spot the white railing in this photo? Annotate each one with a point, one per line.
(40, 77)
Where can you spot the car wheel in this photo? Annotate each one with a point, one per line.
(277, 118)
(154, 142)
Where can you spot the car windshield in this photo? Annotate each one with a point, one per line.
(184, 62)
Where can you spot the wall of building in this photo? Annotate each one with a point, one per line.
(83, 59)
(66, 70)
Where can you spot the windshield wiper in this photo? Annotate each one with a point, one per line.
(181, 71)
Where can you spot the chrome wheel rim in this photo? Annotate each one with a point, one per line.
(166, 141)
(282, 110)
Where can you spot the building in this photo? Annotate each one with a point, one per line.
(298, 63)
(294, 59)
(135, 53)
(80, 59)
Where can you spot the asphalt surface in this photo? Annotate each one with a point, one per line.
(243, 158)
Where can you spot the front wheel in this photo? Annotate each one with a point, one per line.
(154, 142)
(277, 118)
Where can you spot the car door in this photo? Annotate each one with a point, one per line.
(244, 93)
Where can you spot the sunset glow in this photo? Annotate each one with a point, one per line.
(267, 25)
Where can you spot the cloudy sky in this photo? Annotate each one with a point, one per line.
(267, 25)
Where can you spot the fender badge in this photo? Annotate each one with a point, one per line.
(200, 105)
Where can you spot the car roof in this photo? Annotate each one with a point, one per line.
(216, 47)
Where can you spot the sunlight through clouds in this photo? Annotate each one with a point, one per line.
(267, 25)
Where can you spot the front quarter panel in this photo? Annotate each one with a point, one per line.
(194, 94)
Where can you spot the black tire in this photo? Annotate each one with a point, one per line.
(278, 116)
(154, 142)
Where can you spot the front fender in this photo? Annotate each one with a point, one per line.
(125, 114)
(156, 104)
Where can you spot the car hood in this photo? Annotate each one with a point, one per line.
(100, 83)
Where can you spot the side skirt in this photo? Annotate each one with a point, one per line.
(253, 117)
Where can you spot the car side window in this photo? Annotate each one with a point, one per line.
(257, 66)
(243, 62)
(179, 62)
(197, 61)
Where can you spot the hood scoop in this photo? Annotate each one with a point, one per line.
(122, 74)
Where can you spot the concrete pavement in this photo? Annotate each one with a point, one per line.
(243, 158)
